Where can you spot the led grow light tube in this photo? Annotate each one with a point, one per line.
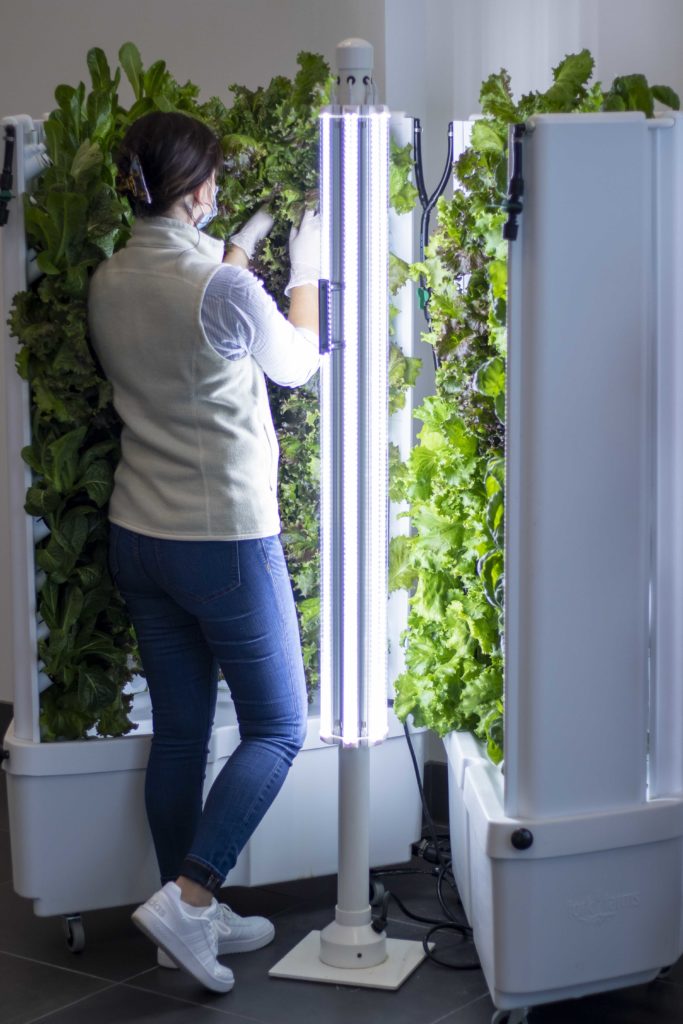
(354, 412)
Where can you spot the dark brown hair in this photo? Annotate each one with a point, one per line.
(163, 157)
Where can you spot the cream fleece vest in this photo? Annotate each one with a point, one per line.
(198, 448)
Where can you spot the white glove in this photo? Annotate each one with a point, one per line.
(253, 232)
(304, 252)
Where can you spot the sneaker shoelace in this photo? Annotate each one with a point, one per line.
(213, 931)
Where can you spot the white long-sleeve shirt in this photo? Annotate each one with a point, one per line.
(241, 319)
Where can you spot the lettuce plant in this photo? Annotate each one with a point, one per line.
(454, 479)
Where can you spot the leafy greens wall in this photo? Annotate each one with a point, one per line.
(454, 479)
(74, 219)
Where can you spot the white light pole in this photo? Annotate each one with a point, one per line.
(354, 343)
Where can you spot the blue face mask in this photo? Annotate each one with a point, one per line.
(206, 218)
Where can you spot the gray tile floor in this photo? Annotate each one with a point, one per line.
(115, 978)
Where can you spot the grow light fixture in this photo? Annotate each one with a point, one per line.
(354, 414)
(354, 344)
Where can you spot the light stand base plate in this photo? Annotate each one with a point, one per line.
(304, 963)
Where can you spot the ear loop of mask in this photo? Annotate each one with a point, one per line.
(206, 218)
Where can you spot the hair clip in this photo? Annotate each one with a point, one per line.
(134, 182)
(139, 189)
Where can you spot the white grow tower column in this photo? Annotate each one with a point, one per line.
(354, 512)
(19, 677)
(570, 862)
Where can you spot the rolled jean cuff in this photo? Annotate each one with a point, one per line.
(202, 874)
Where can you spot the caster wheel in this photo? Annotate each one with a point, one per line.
(74, 933)
(517, 1016)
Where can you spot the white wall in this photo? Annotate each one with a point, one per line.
(430, 57)
(439, 51)
(624, 36)
(211, 42)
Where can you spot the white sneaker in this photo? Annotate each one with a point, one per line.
(188, 935)
(235, 934)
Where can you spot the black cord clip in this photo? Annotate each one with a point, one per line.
(513, 204)
(6, 175)
(379, 923)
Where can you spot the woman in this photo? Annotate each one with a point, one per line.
(186, 335)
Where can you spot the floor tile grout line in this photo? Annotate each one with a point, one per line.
(59, 967)
(138, 974)
(111, 985)
(125, 983)
(68, 1006)
(459, 1009)
(665, 981)
(190, 1002)
(263, 1020)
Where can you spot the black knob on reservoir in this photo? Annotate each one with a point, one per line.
(522, 838)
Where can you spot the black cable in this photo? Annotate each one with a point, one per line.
(437, 193)
(460, 928)
(443, 874)
(429, 920)
(417, 158)
(474, 966)
(428, 203)
(425, 809)
(424, 850)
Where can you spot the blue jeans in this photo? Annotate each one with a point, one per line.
(197, 606)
